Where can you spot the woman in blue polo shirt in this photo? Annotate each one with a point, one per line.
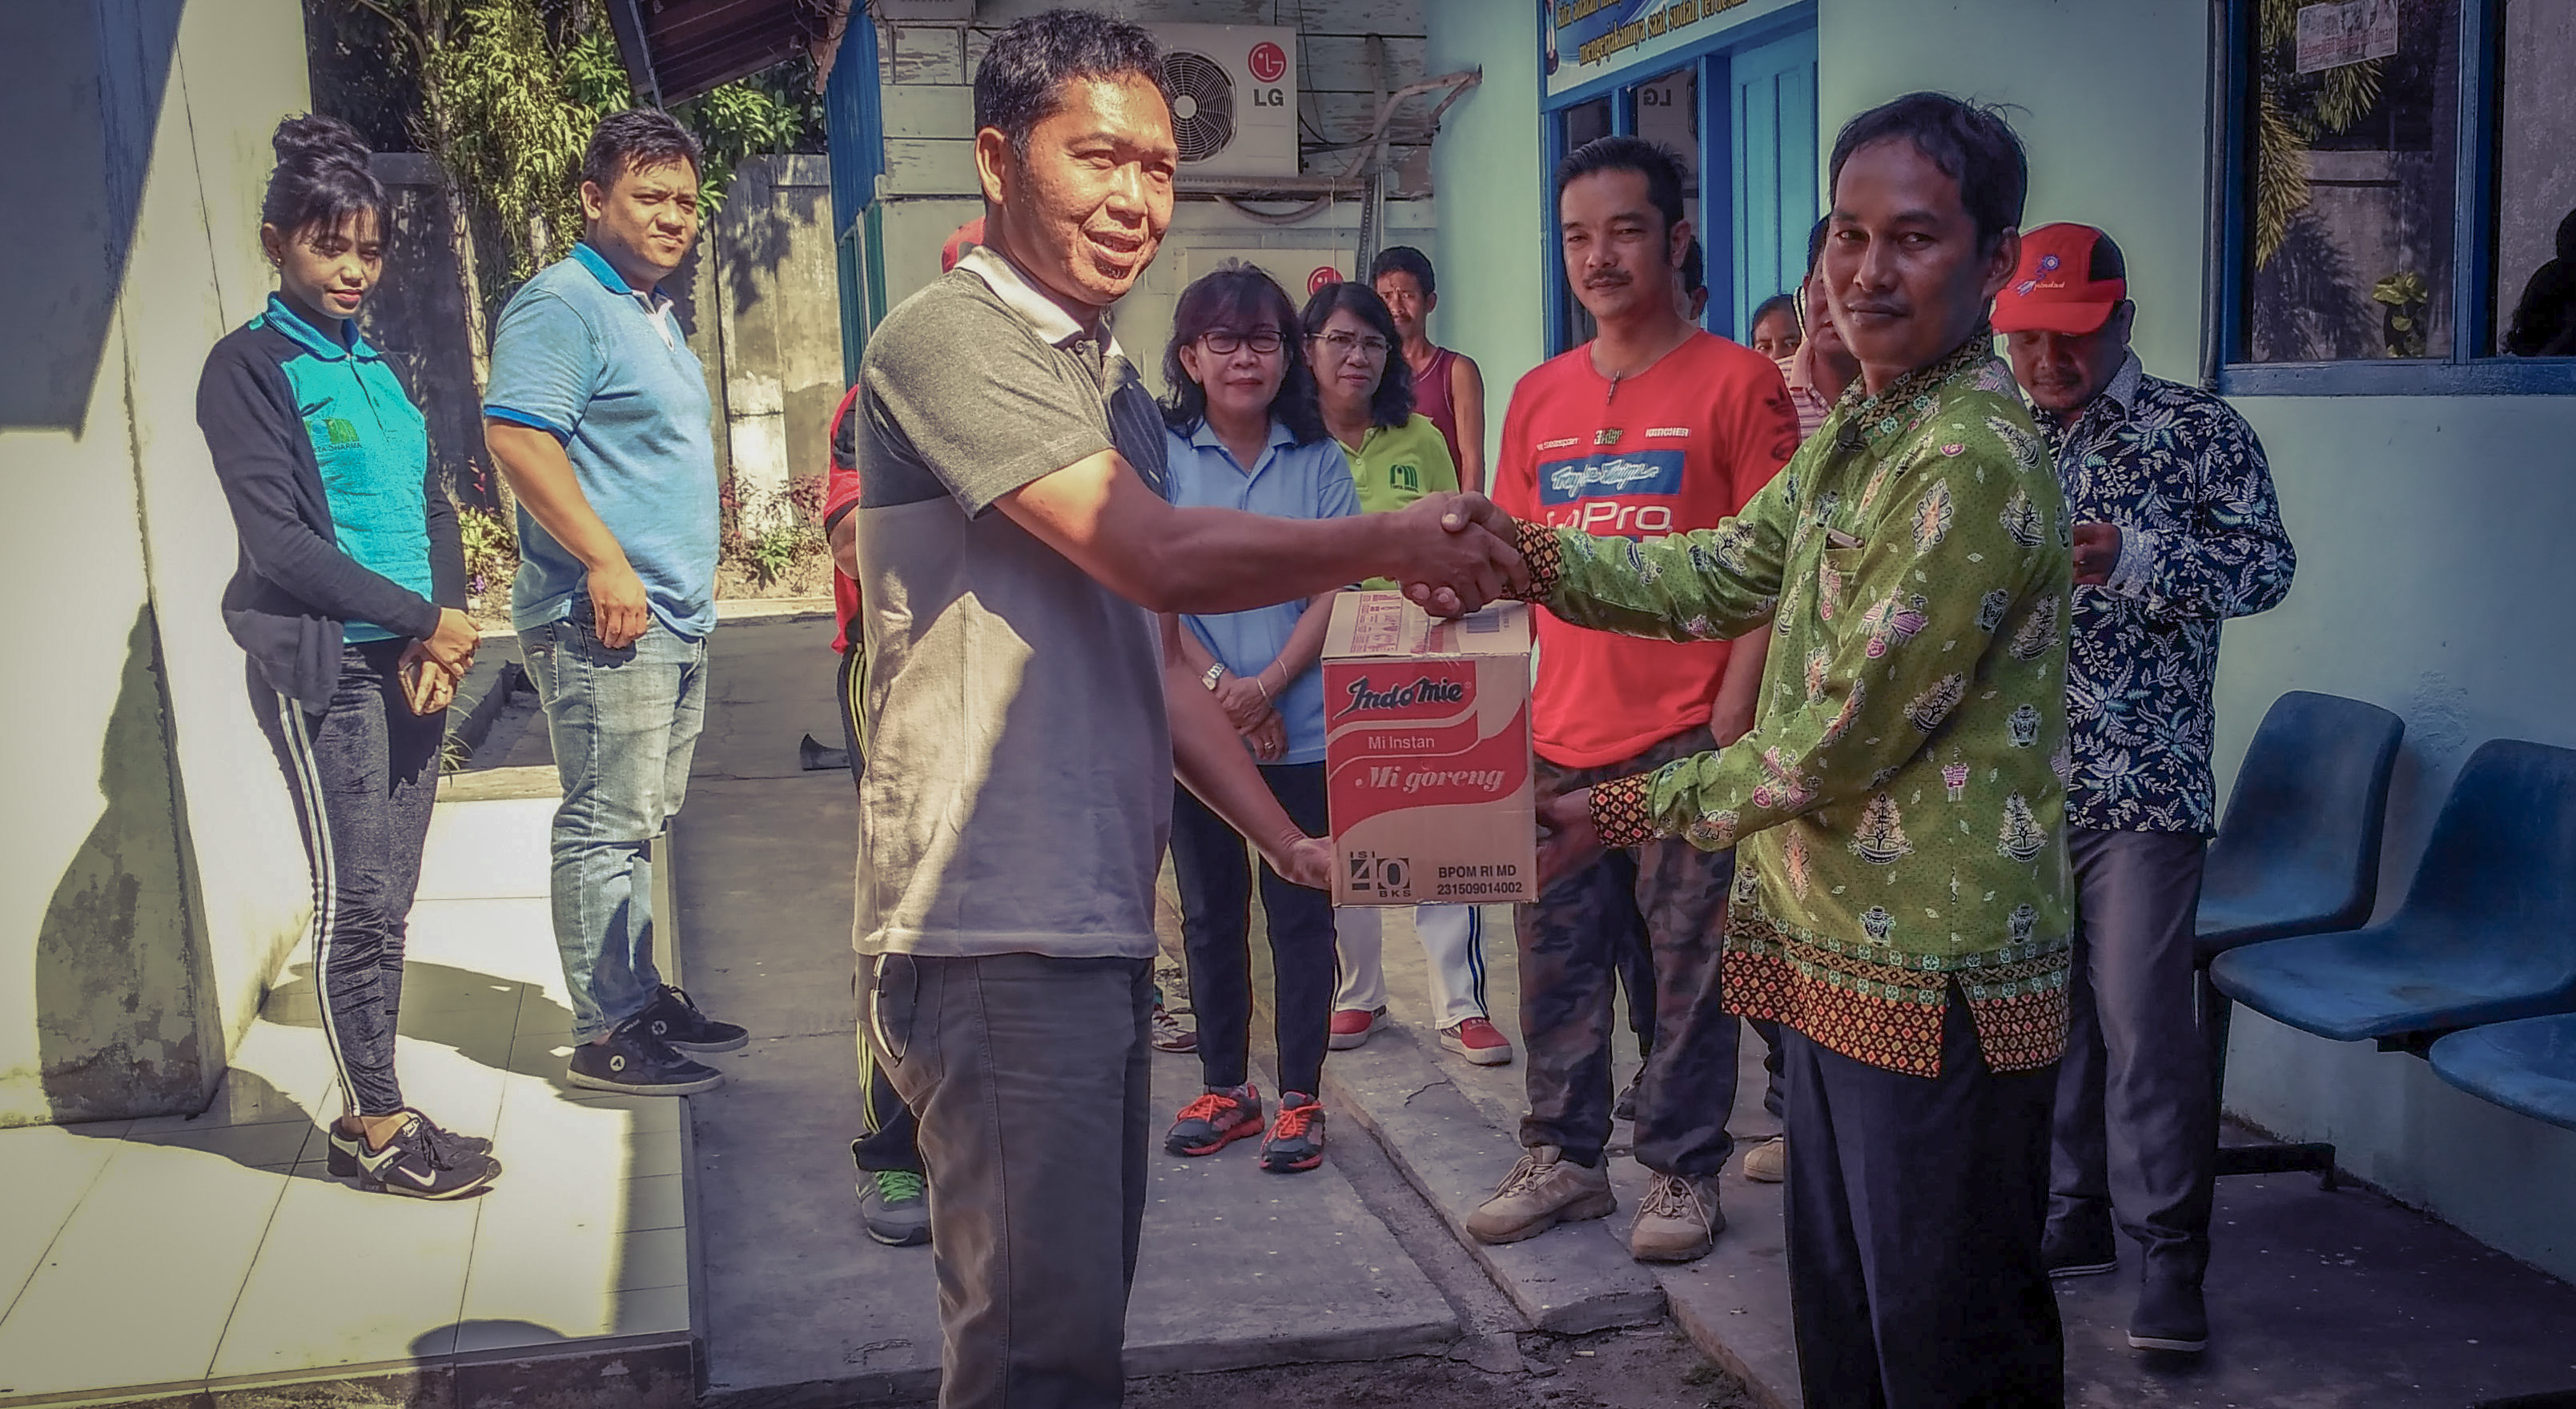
(346, 599)
(1244, 432)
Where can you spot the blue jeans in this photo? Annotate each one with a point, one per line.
(624, 724)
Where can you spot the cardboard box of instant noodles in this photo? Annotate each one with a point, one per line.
(1427, 753)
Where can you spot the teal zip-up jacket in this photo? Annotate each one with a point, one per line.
(325, 555)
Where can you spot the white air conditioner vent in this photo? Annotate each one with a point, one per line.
(1234, 98)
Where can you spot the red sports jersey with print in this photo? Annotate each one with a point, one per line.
(1678, 446)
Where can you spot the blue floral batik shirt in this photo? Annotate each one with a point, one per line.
(2200, 541)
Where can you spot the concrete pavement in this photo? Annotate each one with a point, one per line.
(1238, 1267)
(2317, 1299)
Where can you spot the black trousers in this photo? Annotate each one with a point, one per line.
(1213, 867)
(362, 774)
(889, 1134)
(1914, 1208)
(2134, 1128)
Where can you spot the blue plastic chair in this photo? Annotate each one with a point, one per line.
(2297, 854)
(2527, 1067)
(2487, 933)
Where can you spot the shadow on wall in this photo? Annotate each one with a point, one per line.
(81, 83)
(757, 229)
(124, 1011)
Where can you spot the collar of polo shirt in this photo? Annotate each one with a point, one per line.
(1023, 297)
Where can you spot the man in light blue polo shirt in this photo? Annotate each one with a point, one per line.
(598, 416)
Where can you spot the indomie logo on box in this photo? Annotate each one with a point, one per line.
(1364, 694)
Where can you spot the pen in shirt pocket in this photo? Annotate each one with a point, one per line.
(1836, 538)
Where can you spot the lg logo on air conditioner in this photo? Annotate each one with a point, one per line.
(1267, 63)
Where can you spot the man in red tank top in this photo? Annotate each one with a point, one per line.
(1446, 385)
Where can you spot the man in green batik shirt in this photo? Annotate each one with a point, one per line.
(1898, 812)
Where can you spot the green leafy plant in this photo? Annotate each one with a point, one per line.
(2402, 327)
(491, 549)
(769, 534)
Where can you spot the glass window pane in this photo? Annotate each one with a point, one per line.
(1582, 123)
(1586, 121)
(2535, 243)
(1668, 112)
(2351, 168)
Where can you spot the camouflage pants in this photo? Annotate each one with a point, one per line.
(1672, 895)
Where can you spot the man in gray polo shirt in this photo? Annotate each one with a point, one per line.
(1013, 546)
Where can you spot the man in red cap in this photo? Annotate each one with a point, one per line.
(2176, 530)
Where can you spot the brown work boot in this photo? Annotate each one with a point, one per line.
(1678, 1222)
(1542, 1191)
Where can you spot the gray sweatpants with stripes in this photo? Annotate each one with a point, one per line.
(362, 775)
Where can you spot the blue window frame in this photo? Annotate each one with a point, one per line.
(2381, 214)
(1750, 205)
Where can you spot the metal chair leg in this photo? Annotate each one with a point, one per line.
(2216, 1013)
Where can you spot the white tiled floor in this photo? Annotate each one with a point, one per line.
(225, 1234)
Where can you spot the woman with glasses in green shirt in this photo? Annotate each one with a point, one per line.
(1396, 456)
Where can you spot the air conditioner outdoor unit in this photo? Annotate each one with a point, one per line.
(1234, 98)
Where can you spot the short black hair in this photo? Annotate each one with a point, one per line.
(1392, 406)
(1816, 241)
(1971, 143)
(1240, 296)
(1021, 79)
(1652, 160)
(1781, 304)
(1404, 259)
(1694, 267)
(636, 140)
(321, 178)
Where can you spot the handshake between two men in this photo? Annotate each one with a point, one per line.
(1475, 560)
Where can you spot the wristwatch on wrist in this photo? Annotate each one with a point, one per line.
(1215, 673)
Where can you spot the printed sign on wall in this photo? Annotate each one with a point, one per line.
(1587, 39)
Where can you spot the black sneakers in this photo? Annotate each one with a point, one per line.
(637, 1063)
(345, 1161)
(417, 1164)
(674, 1019)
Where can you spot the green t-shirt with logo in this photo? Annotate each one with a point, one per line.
(1395, 466)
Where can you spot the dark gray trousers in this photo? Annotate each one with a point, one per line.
(1029, 1077)
(2134, 1134)
(1913, 1219)
(1668, 898)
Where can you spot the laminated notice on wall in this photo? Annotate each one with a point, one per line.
(2343, 32)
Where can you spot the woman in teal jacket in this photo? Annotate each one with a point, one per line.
(346, 599)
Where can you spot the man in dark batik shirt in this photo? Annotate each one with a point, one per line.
(2176, 530)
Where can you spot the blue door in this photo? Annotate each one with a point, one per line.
(1774, 112)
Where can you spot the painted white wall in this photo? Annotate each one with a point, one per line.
(117, 547)
(197, 273)
(1486, 166)
(2421, 522)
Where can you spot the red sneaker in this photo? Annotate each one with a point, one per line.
(1295, 1143)
(1352, 1026)
(1214, 1121)
(1479, 1041)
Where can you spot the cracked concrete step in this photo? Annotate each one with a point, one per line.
(1571, 1279)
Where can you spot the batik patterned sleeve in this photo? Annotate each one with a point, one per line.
(2232, 558)
(1710, 584)
(1957, 553)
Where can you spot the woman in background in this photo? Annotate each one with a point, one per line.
(1244, 433)
(1396, 456)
